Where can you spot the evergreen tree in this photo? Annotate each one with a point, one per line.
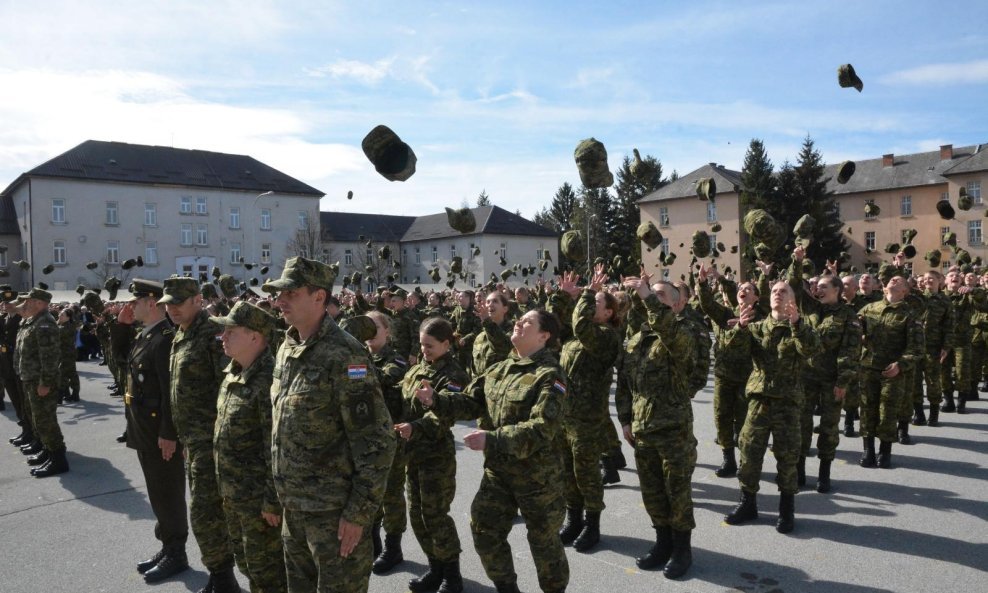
(817, 201)
(757, 180)
(598, 208)
(561, 212)
(483, 199)
(631, 188)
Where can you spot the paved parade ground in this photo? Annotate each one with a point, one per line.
(920, 526)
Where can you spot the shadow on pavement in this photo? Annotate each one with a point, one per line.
(96, 482)
(83, 410)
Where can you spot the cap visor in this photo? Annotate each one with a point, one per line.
(279, 285)
(170, 299)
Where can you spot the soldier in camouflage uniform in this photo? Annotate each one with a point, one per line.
(196, 368)
(493, 343)
(404, 325)
(332, 438)
(653, 402)
(68, 386)
(957, 373)
(242, 448)
(466, 326)
(36, 358)
(9, 325)
(121, 340)
(779, 346)
(519, 404)
(432, 459)
(938, 329)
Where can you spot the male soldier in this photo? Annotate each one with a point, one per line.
(68, 327)
(36, 357)
(242, 446)
(938, 325)
(150, 429)
(121, 340)
(965, 301)
(9, 325)
(661, 427)
(196, 368)
(332, 438)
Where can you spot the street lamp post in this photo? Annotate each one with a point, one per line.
(253, 229)
(589, 253)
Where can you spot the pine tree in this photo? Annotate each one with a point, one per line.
(630, 188)
(814, 199)
(483, 199)
(758, 190)
(564, 207)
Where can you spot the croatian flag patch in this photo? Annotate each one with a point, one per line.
(356, 371)
(454, 387)
(558, 385)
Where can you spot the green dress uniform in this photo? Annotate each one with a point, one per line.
(37, 359)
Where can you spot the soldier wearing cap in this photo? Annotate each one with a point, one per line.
(151, 431)
(10, 322)
(36, 358)
(242, 448)
(196, 367)
(332, 438)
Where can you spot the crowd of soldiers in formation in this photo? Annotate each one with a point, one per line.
(295, 472)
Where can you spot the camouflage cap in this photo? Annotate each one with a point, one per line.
(250, 316)
(38, 293)
(92, 301)
(141, 288)
(177, 289)
(7, 294)
(391, 157)
(361, 327)
(648, 234)
(844, 171)
(591, 162)
(300, 272)
(208, 291)
(228, 285)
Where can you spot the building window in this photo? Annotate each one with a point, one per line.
(503, 251)
(266, 219)
(201, 205)
(150, 215)
(711, 212)
(151, 253)
(3, 256)
(452, 251)
(58, 211)
(348, 257)
(201, 236)
(404, 257)
(186, 238)
(185, 206)
(235, 218)
(58, 254)
(665, 246)
(870, 240)
(943, 233)
(369, 255)
(906, 206)
(303, 219)
(234, 253)
(663, 216)
(974, 232)
(945, 196)
(944, 267)
(265, 253)
(870, 216)
(418, 255)
(713, 241)
(113, 252)
(435, 254)
(974, 190)
(111, 213)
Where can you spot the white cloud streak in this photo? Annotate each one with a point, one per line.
(958, 73)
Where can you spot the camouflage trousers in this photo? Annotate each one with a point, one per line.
(666, 460)
(68, 376)
(780, 419)
(206, 515)
(910, 380)
(431, 487)
(22, 407)
(979, 354)
(165, 482)
(44, 416)
(956, 370)
(881, 403)
(492, 515)
(611, 438)
(852, 399)
(393, 513)
(932, 373)
(312, 555)
(820, 392)
(730, 408)
(258, 550)
(581, 445)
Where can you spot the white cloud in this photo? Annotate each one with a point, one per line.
(975, 72)
(366, 73)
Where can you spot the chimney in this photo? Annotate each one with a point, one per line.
(946, 152)
(888, 160)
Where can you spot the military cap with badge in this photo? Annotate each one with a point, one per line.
(177, 289)
(252, 317)
(300, 272)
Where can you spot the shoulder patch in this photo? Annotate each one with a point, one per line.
(559, 386)
(527, 379)
(454, 386)
(361, 412)
(356, 371)
(401, 361)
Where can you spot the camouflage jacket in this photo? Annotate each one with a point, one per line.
(66, 341)
(860, 300)
(653, 380)
(37, 356)
(778, 351)
(840, 343)
(891, 333)
(466, 326)
(561, 305)
(732, 349)
(391, 370)
(492, 345)
(196, 369)
(242, 439)
(938, 323)
(588, 361)
(965, 306)
(431, 434)
(332, 440)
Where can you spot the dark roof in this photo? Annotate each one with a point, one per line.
(685, 187)
(978, 162)
(8, 216)
(907, 170)
(162, 165)
(349, 226)
(491, 220)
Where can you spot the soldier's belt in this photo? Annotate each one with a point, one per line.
(127, 399)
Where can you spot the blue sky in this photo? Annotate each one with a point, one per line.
(490, 95)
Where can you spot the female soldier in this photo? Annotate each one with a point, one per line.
(466, 326)
(68, 388)
(432, 459)
(519, 402)
(493, 344)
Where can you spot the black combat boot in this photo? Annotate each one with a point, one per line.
(919, 415)
(730, 465)
(885, 454)
(747, 509)
(572, 526)
(391, 555)
(823, 480)
(787, 513)
(430, 581)
(171, 563)
(948, 402)
(58, 464)
(682, 555)
(73, 395)
(608, 472)
(934, 416)
(962, 402)
(123, 437)
(146, 565)
(32, 448)
(974, 395)
(39, 458)
(452, 581)
(507, 588)
(26, 436)
(848, 424)
(902, 434)
(375, 533)
(801, 472)
(659, 554)
(617, 458)
(225, 581)
(590, 535)
(868, 459)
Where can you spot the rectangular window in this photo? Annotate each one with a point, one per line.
(369, 255)
(3, 257)
(185, 206)
(200, 205)
(943, 232)
(906, 206)
(870, 240)
(974, 232)
(452, 251)
(418, 255)
(151, 253)
(663, 216)
(867, 215)
(348, 257)
(435, 254)
(404, 257)
(186, 238)
(503, 251)
(944, 267)
(234, 218)
(711, 212)
(713, 241)
(58, 254)
(974, 190)
(303, 219)
(111, 213)
(945, 196)
(665, 246)
(265, 219)
(201, 236)
(58, 211)
(113, 252)
(234, 253)
(265, 253)
(150, 215)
